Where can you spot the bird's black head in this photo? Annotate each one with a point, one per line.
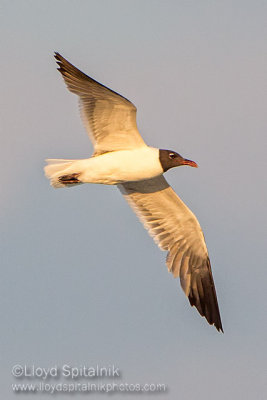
(170, 159)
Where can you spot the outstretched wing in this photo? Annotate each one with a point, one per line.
(109, 118)
(175, 228)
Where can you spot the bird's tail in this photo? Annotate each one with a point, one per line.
(60, 173)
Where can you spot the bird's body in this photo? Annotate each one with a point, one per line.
(113, 167)
(122, 158)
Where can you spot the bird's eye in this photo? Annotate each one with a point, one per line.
(172, 155)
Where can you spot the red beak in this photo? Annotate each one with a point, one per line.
(189, 162)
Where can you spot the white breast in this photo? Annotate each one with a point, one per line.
(121, 166)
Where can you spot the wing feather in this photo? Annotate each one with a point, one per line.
(109, 118)
(175, 229)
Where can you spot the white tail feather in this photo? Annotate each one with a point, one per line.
(56, 168)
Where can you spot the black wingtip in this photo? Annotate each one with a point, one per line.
(58, 59)
(57, 55)
(71, 73)
(65, 67)
(202, 295)
(218, 325)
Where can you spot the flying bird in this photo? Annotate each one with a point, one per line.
(122, 158)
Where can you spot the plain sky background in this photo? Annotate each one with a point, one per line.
(81, 281)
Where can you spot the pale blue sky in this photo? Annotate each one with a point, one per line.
(82, 282)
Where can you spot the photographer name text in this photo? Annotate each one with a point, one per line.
(66, 371)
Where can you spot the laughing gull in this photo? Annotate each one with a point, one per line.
(122, 158)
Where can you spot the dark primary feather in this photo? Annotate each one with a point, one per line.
(202, 294)
(68, 70)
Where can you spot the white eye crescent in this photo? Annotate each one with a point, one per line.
(172, 155)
